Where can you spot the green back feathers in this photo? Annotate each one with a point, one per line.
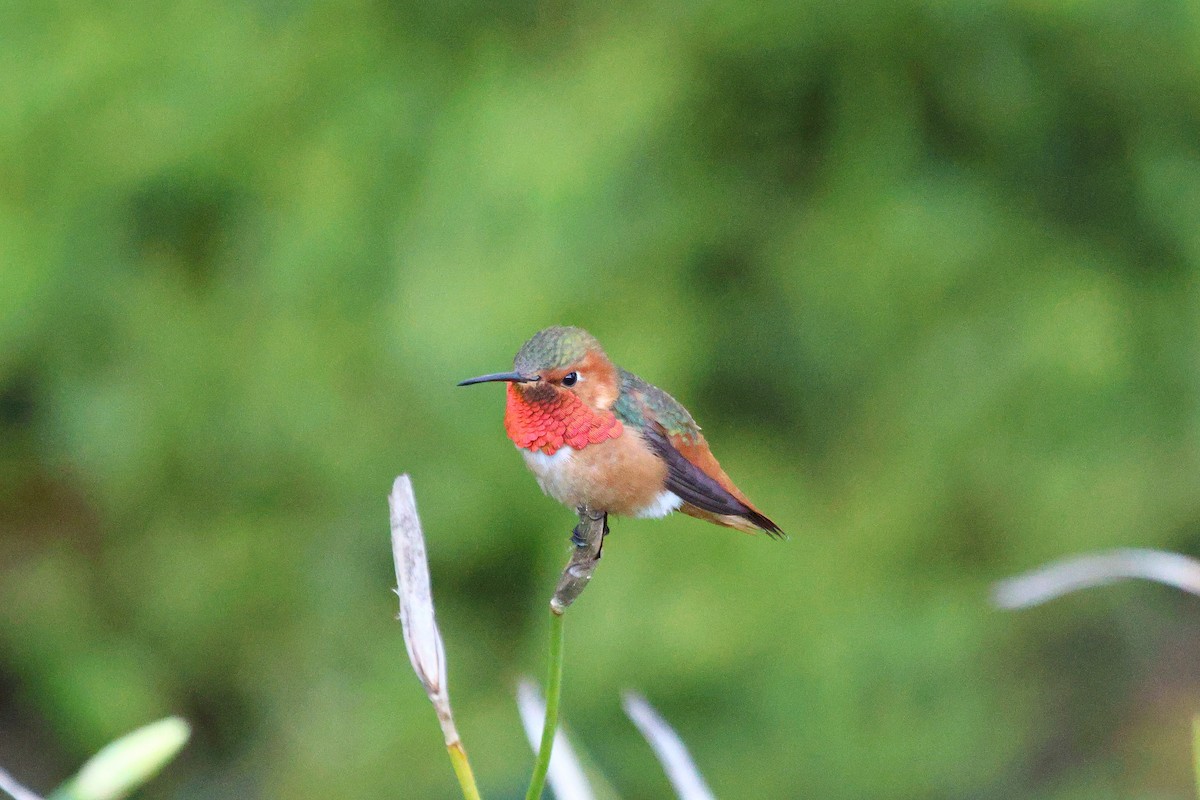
(641, 402)
(554, 348)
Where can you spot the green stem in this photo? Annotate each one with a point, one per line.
(462, 769)
(1196, 750)
(554, 673)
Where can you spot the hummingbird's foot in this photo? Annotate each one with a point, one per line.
(600, 549)
(577, 535)
(577, 538)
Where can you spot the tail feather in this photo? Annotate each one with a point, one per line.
(694, 474)
(765, 524)
(750, 522)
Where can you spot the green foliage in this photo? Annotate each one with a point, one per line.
(925, 272)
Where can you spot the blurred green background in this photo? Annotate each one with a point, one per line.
(927, 272)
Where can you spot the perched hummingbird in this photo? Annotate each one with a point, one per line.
(598, 436)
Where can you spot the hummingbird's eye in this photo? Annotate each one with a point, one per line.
(570, 378)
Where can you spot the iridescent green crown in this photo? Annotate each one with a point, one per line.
(554, 348)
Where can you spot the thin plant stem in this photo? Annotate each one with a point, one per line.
(585, 555)
(565, 777)
(462, 769)
(554, 673)
(1196, 751)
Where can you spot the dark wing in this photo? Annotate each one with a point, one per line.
(695, 486)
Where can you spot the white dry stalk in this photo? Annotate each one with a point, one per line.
(566, 776)
(9, 785)
(421, 636)
(1097, 569)
(672, 754)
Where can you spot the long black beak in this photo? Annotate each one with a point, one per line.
(514, 377)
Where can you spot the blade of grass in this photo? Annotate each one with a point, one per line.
(1097, 569)
(124, 765)
(672, 753)
(10, 786)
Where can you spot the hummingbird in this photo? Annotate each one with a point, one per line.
(597, 436)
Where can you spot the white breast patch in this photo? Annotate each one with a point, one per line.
(552, 471)
(663, 504)
(539, 462)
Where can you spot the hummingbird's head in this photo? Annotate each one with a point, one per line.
(560, 359)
